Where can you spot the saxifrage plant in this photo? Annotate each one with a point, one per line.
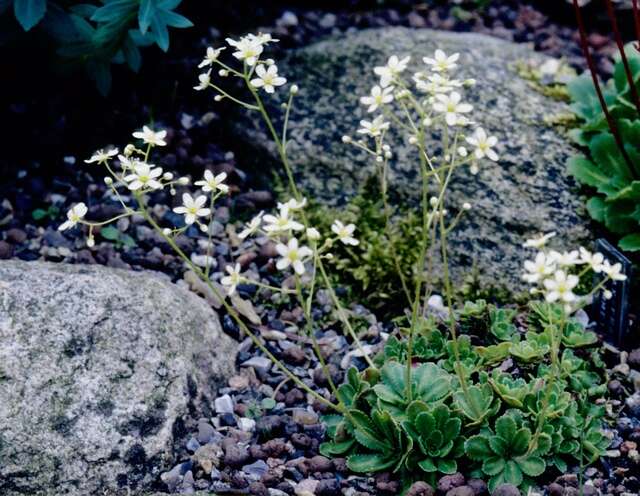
(433, 399)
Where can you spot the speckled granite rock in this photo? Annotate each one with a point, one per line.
(525, 193)
(97, 367)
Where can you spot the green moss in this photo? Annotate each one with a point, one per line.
(369, 270)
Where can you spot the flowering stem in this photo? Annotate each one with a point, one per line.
(343, 318)
(231, 311)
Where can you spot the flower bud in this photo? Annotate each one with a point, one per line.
(426, 122)
(129, 149)
(218, 98)
(294, 89)
(413, 140)
(607, 294)
(462, 151)
(466, 206)
(223, 73)
(313, 234)
(108, 181)
(91, 242)
(269, 62)
(346, 139)
(166, 231)
(433, 201)
(184, 180)
(469, 82)
(379, 159)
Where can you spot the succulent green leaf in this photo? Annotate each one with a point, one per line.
(477, 447)
(29, 12)
(520, 441)
(369, 463)
(427, 465)
(533, 466)
(630, 242)
(506, 428)
(493, 465)
(447, 466)
(512, 473)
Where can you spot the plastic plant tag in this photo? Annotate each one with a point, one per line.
(612, 315)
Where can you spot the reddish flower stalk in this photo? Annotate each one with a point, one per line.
(584, 43)
(636, 20)
(623, 56)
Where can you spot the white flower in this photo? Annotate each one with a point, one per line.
(538, 269)
(293, 204)
(102, 157)
(560, 287)
(151, 137)
(436, 83)
(248, 48)
(565, 259)
(441, 62)
(74, 215)
(450, 106)
(282, 222)
(379, 97)
(211, 56)
(483, 144)
(212, 183)
(373, 128)
(205, 80)
(233, 279)
(127, 162)
(192, 208)
(540, 241)
(251, 227)
(614, 272)
(344, 233)
(292, 255)
(394, 67)
(267, 78)
(594, 260)
(144, 176)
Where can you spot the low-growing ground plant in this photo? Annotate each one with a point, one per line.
(440, 395)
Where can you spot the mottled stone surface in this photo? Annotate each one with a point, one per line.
(97, 367)
(527, 192)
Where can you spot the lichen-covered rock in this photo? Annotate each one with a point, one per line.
(525, 193)
(97, 368)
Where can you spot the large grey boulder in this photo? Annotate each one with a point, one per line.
(97, 369)
(527, 192)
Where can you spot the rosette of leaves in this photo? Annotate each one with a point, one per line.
(427, 346)
(532, 349)
(467, 354)
(100, 34)
(386, 443)
(543, 314)
(549, 403)
(574, 335)
(429, 384)
(477, 403)
(502, 327)
(579, 375)
(474, 317)
(436, 433)
(512, 390)
(613, 175)
(504, 453)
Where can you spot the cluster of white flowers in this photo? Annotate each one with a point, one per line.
(556, 275)
(138, 176)
(442, 102)
(290, 234)
(248, 50)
